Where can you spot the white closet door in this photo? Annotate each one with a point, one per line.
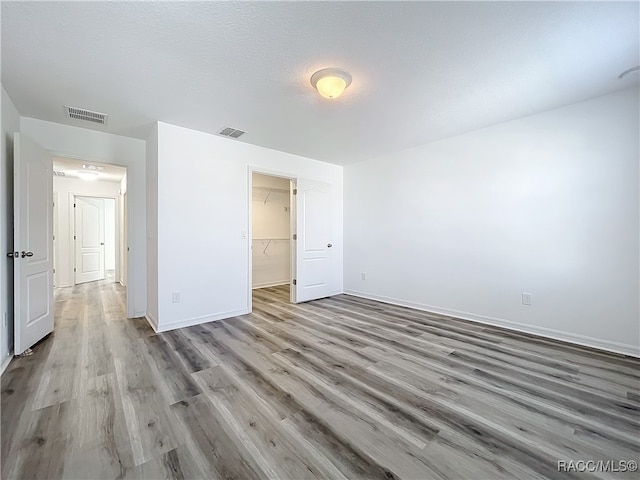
(313, 244)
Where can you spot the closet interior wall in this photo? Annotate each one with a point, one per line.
(271, 230)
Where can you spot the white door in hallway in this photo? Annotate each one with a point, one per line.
(89, 239)
(314, 265)
(33, 243)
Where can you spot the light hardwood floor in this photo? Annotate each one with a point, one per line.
(337, 388)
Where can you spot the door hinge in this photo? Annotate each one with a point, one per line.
(295, 282)
(74, 205)
(295, 191)
(74, 237)
(295, 237)
(54, 270)
(74, 269)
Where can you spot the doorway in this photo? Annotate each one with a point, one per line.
(275, 202)
(90, 215)
(94, 238)
(271, 227)
(47, 242)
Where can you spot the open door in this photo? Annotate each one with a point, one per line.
(313, 243)
(33, 242)
(89, 239)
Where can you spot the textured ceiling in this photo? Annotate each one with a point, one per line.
(421, 70)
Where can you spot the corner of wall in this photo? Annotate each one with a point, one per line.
(151, 158)
(152, 321)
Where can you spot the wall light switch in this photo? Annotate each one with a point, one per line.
(243, 234)
(175, 297)
(363, 276)
(526, 298)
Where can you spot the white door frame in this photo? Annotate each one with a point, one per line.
(122, 207)
(72, 229)
(56, 263)
(292, 230)
(130, 255)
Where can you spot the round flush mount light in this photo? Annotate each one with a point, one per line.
(330, 82)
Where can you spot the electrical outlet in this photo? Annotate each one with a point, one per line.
(526, 298)
(363, 276)
(175, 297)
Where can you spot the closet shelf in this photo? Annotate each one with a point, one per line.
(268, 242)
(261, 191)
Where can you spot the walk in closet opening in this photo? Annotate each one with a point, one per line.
(271, 231)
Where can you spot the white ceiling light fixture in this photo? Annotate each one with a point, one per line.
(95, 168)
(88, 176)
(330, 82)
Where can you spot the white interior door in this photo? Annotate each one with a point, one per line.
(313, 243)
(89, 239)
(33, 243)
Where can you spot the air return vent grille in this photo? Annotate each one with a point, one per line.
(87, 115)
(231, 132)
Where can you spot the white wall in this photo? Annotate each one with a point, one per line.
(270, 204)
(10, 125)
(203, 207)
(66, 187)
(91, 145)
(547, 204)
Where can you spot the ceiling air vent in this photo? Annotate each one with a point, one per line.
(87, 115)
(231, 132)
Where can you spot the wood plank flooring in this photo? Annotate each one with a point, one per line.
(337, 388)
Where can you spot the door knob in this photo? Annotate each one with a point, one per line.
(26, 254)
(329, 245)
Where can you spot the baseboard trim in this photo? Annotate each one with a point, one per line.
(153, 322)
(6, 362)
(190, 322)
(270, 284)
(559, 335)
